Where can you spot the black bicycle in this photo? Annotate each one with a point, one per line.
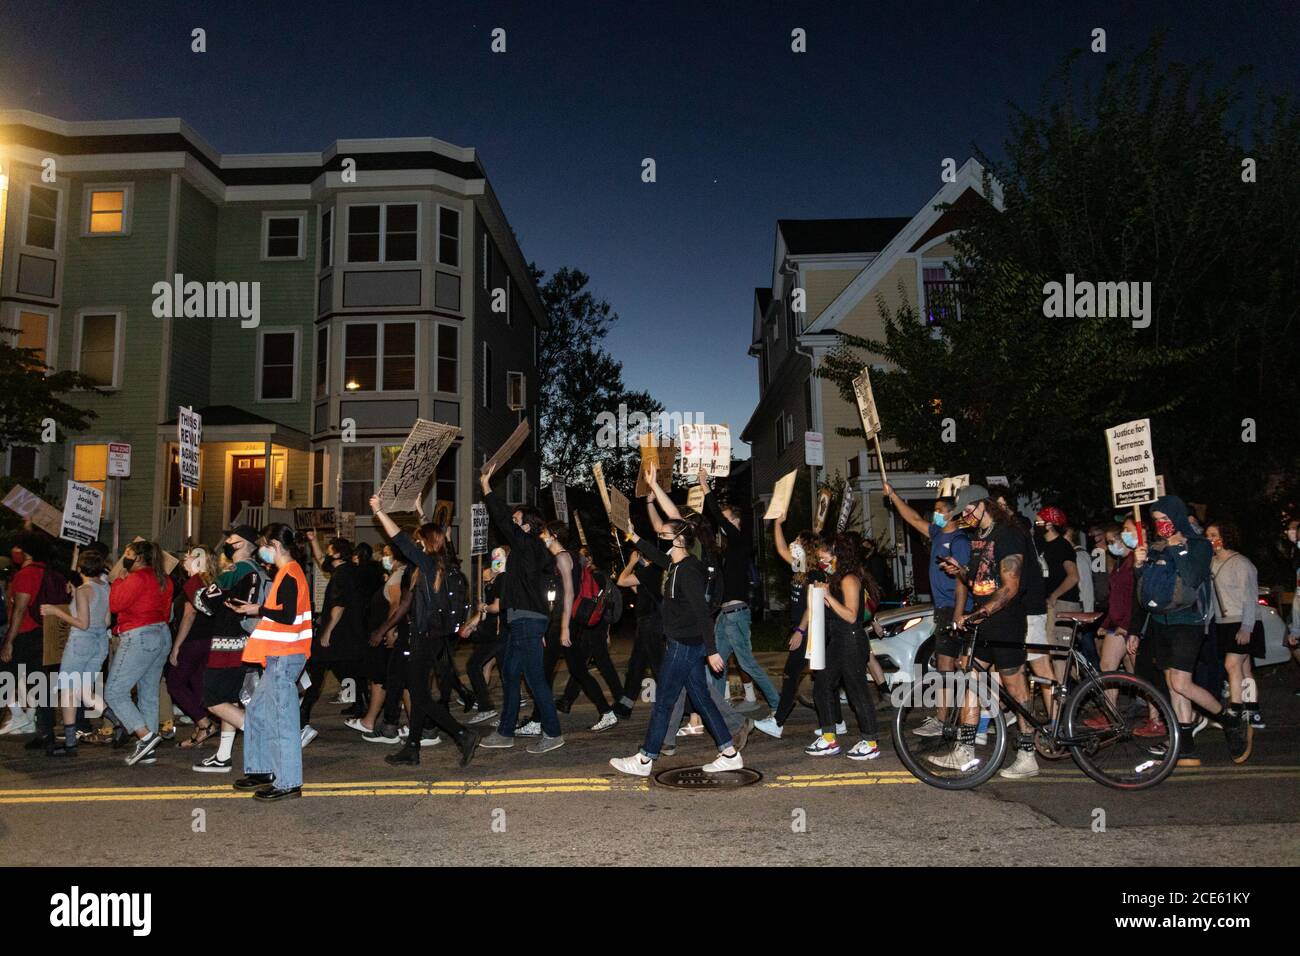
(1119, 729)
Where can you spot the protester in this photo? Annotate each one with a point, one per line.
(380, 638)
(190, 648)
(338, 639)
(281, 644)
(394, 633)
(484, 628)
(588, 629)
(23, 646)
(646, 580)
(86, 650)
(142, 600)
(1239, 632)
(1062, 572)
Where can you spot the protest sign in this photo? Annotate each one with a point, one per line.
(663, 457)
(1132, 463)
(314, 519)
(479, 521)
(846, 509)
(619, 513)
(866, 400)
(949, 487)
(707, 447)
(189, 431)
(582, 534)
(347, 527)
(560, 496)
(507, 451)
(415, 464)
(82, 507)
(695, 498)
(599, 473)
(823, 506)
(35, 509)
(780, 503)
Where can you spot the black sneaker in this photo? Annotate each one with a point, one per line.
(1240, 735)
(1187, 747)
(254, 781)
(622, 711)
(60, 749)
(408, 756)
(562, 705)
(39, 742)
(120, 737)
(271, 794)
(468, 741)
(143, 748)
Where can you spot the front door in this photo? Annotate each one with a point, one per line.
(247, 482)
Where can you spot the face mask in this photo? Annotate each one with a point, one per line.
(267, 555)
(229, 551)
(827, 564)
(17, 557)
(1291, 535)
(1130, 539)
(1216, 544)
(128, 563)
(1116, 548)
(939, 519)
(798, 560)
(388, 562)
(667, 543)
(1165, 528)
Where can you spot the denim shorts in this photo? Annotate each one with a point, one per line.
(84, 654)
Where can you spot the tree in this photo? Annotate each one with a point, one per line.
(580, 381)
(1139, 179)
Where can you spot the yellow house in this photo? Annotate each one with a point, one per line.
(830, 276)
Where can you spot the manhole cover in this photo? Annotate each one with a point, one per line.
(694, 778)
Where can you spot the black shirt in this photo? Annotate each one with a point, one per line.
(1056, 554)
(530, 564)
(649, 589)
(685, 609)
(738, 557)
(985, 578)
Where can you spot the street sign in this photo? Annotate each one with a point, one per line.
(1133, 478)
(81, 510)
(479, 521)
(814, 449)
(119, 460)
(189, 429)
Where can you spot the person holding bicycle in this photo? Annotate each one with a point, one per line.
(993, 579)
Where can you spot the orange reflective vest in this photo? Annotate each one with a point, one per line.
(273, 639)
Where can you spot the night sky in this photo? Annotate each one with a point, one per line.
(743, 131)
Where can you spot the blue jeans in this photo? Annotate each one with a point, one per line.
(683, 667)
(522, 657)
(731, 634)
(138, 663)
(272, 735)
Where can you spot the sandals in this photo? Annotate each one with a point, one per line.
(201, 736)
(690, 730)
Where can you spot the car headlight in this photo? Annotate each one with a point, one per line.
(911, 623)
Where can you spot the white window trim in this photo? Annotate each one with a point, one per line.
(789, 430)
(376, 464)
(60, 203)
(128, 208)
(315, 361)
(267, 216)
(437, 249)
(485, 360)
(262, 332)
(437, 356)
(383, 233)
(320, 235)
(523, 487)
(51, 329)
(485, 262)
(523, 390)
(119, 342)
(379, 358)
(7, 459)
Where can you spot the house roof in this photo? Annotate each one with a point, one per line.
(813, 237)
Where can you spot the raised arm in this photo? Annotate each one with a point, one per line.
(651, 553)
(661, 496)
(906, 511)
(778, 533)
(627, 577)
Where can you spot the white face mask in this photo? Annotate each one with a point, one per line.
(388, 562)
(798, 559)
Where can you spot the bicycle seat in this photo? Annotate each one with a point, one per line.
(1082, 617)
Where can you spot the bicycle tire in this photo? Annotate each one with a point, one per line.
(1121, 679)
(916, 765)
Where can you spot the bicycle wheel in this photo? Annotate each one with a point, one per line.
(1106, 748)
(918, 751)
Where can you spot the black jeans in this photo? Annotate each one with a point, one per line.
(596, 648)
(647, 652)
(444, 665)
(395, 682)
(482, 653)
(584, 644)
(846, 663)
(424, 709)
(316, 669)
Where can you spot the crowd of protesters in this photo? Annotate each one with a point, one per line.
(228, 641)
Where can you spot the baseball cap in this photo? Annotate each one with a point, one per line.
(971, 494)
(243, 531)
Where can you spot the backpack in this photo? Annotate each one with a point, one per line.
(53, 589)
(1162, 591)
(456, 612)
(260, 597)
(613, 604)
(590, 601)
(713, 588)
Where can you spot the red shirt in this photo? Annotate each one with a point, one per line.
(27, 580)
(137, 600)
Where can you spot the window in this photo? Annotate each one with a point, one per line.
(106, 211)
(277, 375)
(388, 232)
(22, 462)
(379, 356)
(941, 296)
(448, 371)
(282, 235)
(327, 239)
(444, 488)
(322, 361)
(780, 435)
(279, 474)
(448, 236)
(789, 429)
(34, 333)
(516, 392)
(487, 376)
(97, 348)
(516, 487)
(485, 262)
(318, 478)
(855, 467)
(42, 217)
(364, 468)
(90, 467)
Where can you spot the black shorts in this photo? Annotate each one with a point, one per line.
(1226, 636)
(1003, 649)
(221, 685)
(1177, 646)
(374, 663)
(945, 641)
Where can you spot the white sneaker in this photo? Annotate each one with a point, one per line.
(530, 729)
(483, 716)
(25, 724)
(864, 750)
(841, 728)
(355, 723)
(960, 758)
(821, 747)
(308, 735)
(1202, 722)
(769, 726)
(1025, 765)
(608, 720)
(930, 727)
(635, 765)
(431, 741)
(690, 730)
(723, 763)
(403, 732)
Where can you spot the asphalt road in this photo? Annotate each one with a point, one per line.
(570, 807)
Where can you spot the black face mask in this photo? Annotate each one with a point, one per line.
(128, 563)
(229, 551)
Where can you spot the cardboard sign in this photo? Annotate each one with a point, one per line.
(823, 507)
(415, 464)
(347, 527)
(169, 561)
(707, 447)
(996, 480)
(82, 507)
(695, 498)
(189, 431)
(620, 515)
(814, 449)
(949, 487)
(314, 519)
(119, 460)
(663, 457)
(582, 534)
(1132, 463)
(35, 509)
(599, 474)
(54, 637)
(507, 451)
(866, 403)
(479, 524)
(780, 503)
(319, 582)
(560, 495)
(846, 509)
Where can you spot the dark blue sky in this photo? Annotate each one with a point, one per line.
(743, 130)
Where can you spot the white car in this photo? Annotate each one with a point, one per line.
(1275, 652)
(901, 639)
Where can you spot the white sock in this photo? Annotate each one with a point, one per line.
(227, 744)
(749, 694)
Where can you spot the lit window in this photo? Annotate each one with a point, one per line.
(90, 465)
(42, 216)
(97, 355)
(34, 334)
(379, 356)
(107, 212)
